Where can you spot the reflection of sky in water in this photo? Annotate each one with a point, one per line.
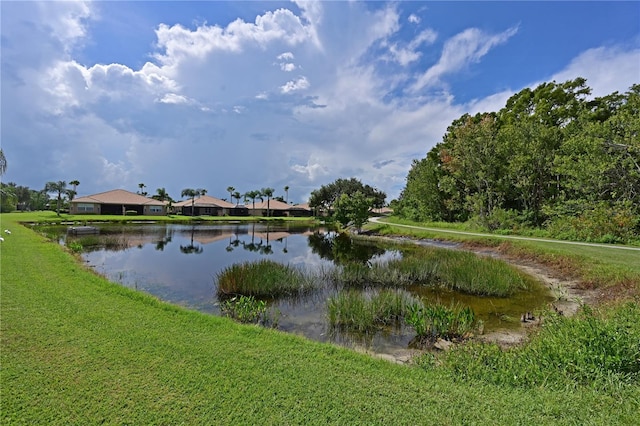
(179, 264)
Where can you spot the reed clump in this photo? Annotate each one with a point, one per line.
(262, 278)
(432, 322)
(357, 311)
(456, 270)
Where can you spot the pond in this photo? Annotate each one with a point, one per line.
(180, 264)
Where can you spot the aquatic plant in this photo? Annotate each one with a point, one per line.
(438, 321)
(456, 270)
(358, 311)
(262, 278)
(245, 309)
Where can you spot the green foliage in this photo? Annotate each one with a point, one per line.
(437, 321)
(547, 149)
(247, 310)
(591, 349)
(353, 209)
(131, 213)
(356, 311)
(75, 246)
(325, 197)
(601, 223)
(263, 278)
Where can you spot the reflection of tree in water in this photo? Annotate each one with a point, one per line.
(340, 248)
(191, 248)
(260, 247)
(160, 245)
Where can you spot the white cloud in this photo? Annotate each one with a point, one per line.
(607, 69)
(414, 19)
(461, 50)
(286, 56)
(288, 67)
(295, 85)
(405, 55)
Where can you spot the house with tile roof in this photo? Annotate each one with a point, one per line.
(206, 205)
(272, 207)
(117, 202)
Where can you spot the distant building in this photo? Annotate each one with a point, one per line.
(117, 202)
(277, 208)
(206, 205)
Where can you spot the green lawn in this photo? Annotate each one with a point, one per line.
(77, 349)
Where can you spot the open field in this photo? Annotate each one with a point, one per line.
(77, 349)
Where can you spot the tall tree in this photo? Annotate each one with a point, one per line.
(230, 190)
(326, 195)
(161, 195)
(353, 209)
(268, 192)
(75, 184)
(286, 191)
(252, 195)
(58, 188)
(237, 196)
(142, 186)
(3, 163)
(190, 193)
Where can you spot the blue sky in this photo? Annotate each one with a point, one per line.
(272, 94)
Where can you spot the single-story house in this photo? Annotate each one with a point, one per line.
(274, 208)
(117, 202)
(206, 205)
(300, 210)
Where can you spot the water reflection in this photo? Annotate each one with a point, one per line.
(159, 259)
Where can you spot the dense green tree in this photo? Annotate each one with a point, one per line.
(353, 209)
(325, 197)
(550, 153)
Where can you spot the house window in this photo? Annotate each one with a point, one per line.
(86, 208)
(155, 209)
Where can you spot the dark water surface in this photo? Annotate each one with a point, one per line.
(179, 264)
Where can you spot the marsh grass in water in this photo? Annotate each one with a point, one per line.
(438, 321)
(358, 311)
(249, 310)
(595, 349)
(262, 278)
(456, 270)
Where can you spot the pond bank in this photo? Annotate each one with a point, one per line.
(568, 293)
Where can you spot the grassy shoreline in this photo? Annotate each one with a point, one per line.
(77, 349)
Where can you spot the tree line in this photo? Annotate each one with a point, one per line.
(552, 158)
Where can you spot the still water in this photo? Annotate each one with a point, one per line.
(179, 264)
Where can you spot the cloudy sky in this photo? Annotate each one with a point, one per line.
(272, 94)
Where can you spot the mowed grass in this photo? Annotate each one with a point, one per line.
(77, 349)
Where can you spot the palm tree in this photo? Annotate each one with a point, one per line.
(230, 190)
(237, 196)
(268, 192)
(191, 193)
(161, 195)
(252, 195)
(59, 188)
(201, 191)
(3, 162)
(286, 191)
(75, 184)
(142, 186)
